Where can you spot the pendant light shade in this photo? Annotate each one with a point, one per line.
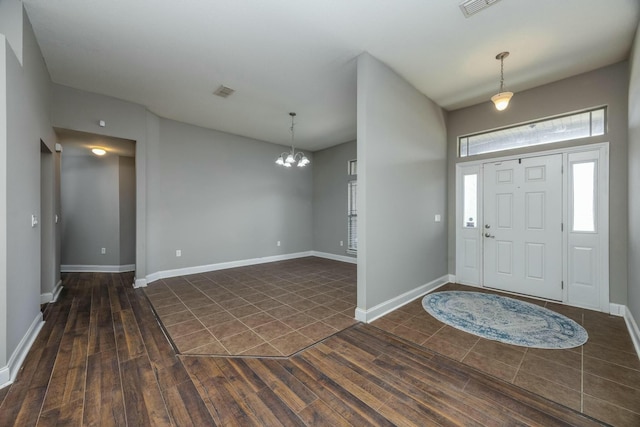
(502, 98)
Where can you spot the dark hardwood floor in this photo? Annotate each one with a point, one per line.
(103, 359)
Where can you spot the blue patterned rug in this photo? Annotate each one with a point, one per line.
(505, 319)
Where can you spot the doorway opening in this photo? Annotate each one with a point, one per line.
(98, 201)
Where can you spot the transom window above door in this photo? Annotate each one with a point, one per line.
(545, 131)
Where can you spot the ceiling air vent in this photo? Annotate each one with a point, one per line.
(471, 7)
(223, 91)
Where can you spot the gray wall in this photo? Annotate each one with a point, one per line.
(90, 200)
(633, 302)
(605, 86)
(127, 205)
(220, 197)
(26, 120)
(401, 185)
(330, 180)
(243, 203)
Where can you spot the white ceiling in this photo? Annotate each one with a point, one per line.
(285, 55)
(78, 143)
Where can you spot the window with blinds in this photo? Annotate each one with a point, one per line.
(352, 225)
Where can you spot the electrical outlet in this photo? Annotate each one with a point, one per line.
(103, 251)
(438, 218)
(341, 243)
(178, 252)
(278, 243)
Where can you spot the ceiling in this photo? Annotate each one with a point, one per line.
(78, 143)
(285, 55)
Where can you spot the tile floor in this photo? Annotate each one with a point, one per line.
(601, 378)
(277, 309)
(274, 309)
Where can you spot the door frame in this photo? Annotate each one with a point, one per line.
(469, 255)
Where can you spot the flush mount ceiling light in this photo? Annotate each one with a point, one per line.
(99, 151)
(502, 98)
(291, 158)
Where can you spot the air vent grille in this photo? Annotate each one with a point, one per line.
(471, 7)
(223, 91)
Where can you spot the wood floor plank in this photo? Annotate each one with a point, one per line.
(24, 399)
(141, 306)
(350, 380)
(69, 414)
(128, 338)
(338, 399)
(166, 364)
(118, 298)
(185, 407)
(243, 371)
(68, 377)
(144, 404)
(267, 407)
(283, 413)
(104, 398)
(213, 385)
(288, 388)
(320, 414)
(412, 397)
(101, 333)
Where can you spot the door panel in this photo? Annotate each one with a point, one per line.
(523, 218)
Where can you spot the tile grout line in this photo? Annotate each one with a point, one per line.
(524, 355)
(469, 351)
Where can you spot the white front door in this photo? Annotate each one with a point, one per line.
(522, 230)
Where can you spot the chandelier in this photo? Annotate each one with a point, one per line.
(291, 158)
(502, 98)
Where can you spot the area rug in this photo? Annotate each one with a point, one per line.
(505, 319)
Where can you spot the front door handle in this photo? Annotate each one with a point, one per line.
(490, 236)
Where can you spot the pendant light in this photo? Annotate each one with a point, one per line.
(502, 98)
(292, 158)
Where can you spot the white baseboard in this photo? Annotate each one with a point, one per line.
(616, 309)
(8, 373)
(140, 283)
(221, 266)
(343, 258)
(97, 268)
(52, 296)
(46, 298)
(56, 291)
(388, 306)
(632, 326)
